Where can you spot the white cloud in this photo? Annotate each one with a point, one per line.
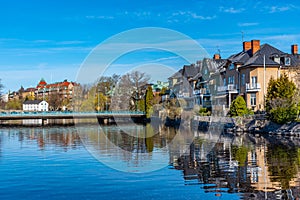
(231, 10)
(283, 8)
(68, 42)
(283, 37)
(248, 24)
(99, 17)
(188, 16)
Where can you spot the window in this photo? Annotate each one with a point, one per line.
(277, 59)
(254, 81)
(231, 66)
(253, 99)
(231, 80)
(287, 61)
(224, 81)
(243, 79)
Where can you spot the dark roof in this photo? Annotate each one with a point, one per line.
(177, 74)
(211, 64)
(189, 71)
(32, 101)
(245, 58)
(197, 76)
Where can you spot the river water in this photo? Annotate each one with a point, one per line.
(145, 162)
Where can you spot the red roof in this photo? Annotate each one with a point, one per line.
(42, 84)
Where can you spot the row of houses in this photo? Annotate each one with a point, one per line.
(64, 89)
(215, 83)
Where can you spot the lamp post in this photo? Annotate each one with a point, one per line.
(105, 98)
(136, 99)
(98, 107)
(264, 82)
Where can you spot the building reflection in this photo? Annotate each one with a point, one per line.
(259, 168)
(48, 137)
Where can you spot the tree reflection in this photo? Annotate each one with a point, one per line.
(250, 167)
(283, 162)
(62, 138)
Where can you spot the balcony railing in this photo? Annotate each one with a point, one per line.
(253, 87)
(229, 87)
(201, 91)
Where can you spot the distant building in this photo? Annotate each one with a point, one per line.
(4, 97)
(158, 86)
(35, 105)
(64, 89)
(196, 83)
(28, 93)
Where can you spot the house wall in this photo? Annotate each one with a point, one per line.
(231, 73)
(42, 106)
(259, 73)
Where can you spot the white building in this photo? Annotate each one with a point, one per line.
(4, 97)
(35, 105)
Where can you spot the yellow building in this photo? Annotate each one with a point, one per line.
(248, 72)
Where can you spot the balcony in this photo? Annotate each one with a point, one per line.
(253, 87)
(230, 88)
(201, 91)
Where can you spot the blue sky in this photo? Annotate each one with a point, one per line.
(51, 39)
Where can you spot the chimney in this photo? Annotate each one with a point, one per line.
(294, 49)
(217, 56)
(255, 46)
(246, 46)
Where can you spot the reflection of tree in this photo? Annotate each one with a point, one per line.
(131, 144)
(217, 166)
(283, 164)
(49, 137)
(149, 138)
(240, 154)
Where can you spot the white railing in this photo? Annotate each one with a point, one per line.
(201, 91)
(225, 88)
(253, 86)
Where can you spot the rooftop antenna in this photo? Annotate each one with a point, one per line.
(242, 36)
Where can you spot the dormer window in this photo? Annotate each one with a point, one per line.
(277, 60)
(287, 61)
(231, 66)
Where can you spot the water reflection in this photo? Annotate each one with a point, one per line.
(45, 137)
(260, 168)
(255, 167)
(134, 148)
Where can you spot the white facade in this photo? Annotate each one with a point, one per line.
(4, 97)
(35, 105)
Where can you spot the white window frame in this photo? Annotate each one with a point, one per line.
(253, 99)
(287, 61)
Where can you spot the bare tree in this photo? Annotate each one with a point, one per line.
(128, 90)
(1, 87)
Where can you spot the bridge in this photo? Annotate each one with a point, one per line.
(101, 116)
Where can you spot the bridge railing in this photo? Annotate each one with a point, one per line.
(25, 113)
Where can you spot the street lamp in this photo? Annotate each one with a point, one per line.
(105, 88)
(98, 108)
